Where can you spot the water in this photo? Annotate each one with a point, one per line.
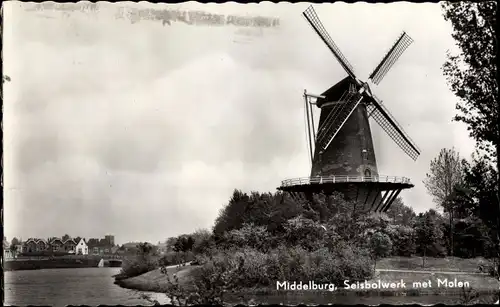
(94, 286)
(310, 298)
(61, 287)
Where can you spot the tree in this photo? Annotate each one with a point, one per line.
(480, 185)
(403, 240)
(428, 231)
(184, 243)
(480, 182)
(271, 210)
(248, 236)
(145, 250)
(13, 249)
(189, 244)
(65, 237)
(472, 76)
(203, 241)
(446, 173)
(473, 238)
(400, 213)
(15, 241)
(380, 246)
(171, 243)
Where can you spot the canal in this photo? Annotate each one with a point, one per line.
(62, 287)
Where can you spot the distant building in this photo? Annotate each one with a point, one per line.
(99, 246)
(56, 244)
(82, 248)
(35, 245)
(110, 239)
(162, 248)
(7, 252)
(69, 246)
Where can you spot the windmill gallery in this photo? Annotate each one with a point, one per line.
(341, 148)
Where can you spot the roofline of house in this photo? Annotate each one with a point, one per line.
(36, 241)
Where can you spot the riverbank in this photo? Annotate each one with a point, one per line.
(57, 263)
(156, 281)
(439, 283)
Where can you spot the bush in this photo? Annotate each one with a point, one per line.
(249, 235)
(136, 266)
(173, 258)
(296, 263)
(254, 267)
(304, 232)
(203, 241)
(285, 263)
(355, 262)
(403, 239)
(220, 273)
(141, 263)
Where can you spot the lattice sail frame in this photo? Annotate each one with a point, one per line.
(313, 19)
(388, 123)
(403, 42)
(378, 111)
(338, 115)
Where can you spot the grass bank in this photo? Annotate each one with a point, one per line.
(432, 264)
(156, 281)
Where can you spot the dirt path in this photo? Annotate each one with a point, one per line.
(179, 265)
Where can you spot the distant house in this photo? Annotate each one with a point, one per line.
(81, 248)
(33, 245)
(57, 245)
(7, 253)
(110, 239)
(99, 246)
(69, 246)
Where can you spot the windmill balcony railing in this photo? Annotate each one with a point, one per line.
(335, 179)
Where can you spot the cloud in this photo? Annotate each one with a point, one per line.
(143, 130)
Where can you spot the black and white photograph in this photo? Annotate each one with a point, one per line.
(261, 153)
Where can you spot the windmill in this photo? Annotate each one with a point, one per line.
(341, 148)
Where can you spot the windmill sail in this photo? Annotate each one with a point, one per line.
(403, 42)
(313, 19)
(339, 114)
(385, 119)
(343, 108)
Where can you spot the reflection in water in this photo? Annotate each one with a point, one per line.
(61, 287)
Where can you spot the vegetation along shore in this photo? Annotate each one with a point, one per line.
(261, 239)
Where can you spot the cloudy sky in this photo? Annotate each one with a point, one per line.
(142, 129)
